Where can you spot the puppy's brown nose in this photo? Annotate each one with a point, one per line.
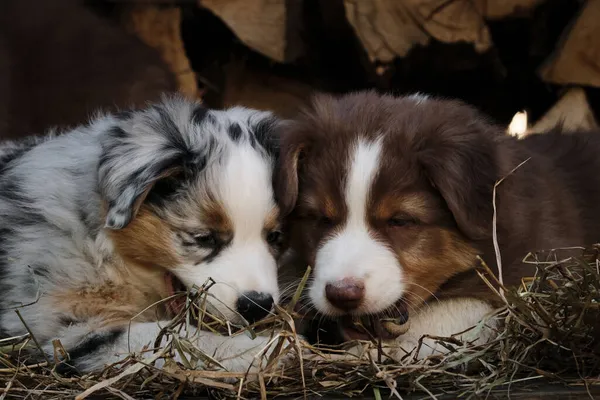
(345, 294)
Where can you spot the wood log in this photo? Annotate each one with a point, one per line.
(159, 27)
(577, 56)
(572, 111)
(391, 28)
(260, 24)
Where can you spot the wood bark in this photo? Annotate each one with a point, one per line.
(159, 28)
(391, 28)
(260, 24)
(572, 111)
(577, 57)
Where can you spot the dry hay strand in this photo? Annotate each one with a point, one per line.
(550, 334)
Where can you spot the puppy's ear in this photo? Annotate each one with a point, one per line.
(293, 145)
(286, 177)
(461, 163)
(144, 149)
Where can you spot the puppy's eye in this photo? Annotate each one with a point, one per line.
(208, 240)
(274, 237)
(400, 221)
(325, 221)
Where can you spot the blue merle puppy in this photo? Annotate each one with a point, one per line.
(105, 220)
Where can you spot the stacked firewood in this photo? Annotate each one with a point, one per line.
(386, 42)
(537, 56)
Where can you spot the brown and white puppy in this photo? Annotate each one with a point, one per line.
(390, 201)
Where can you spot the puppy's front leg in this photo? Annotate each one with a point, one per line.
(447, 318)
(239, 353)
(91, 348)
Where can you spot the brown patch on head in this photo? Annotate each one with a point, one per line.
(215, 217)
(408, 213)
(433, 256)
(146, 240)
(416, 224)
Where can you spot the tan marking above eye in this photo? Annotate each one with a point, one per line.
(330, 210)
(215, 218)
(319, 207)
(406, 206)
(272, 220)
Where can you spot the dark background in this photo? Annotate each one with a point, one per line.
(62, 59)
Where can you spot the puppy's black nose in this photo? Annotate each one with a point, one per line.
(254, 306)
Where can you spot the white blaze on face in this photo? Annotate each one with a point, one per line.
(244, 187)
(353, 252)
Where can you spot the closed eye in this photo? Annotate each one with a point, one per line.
(207, 240)
(315, 216)
(274, 237)
(325, 221)
(401, 221)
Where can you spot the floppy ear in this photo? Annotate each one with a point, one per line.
(296, 139)
(294, 142)
(462, 166)
(286, 176)
(136, 154)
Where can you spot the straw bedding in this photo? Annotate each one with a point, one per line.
(550, 334)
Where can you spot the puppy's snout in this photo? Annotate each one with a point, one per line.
(345, 294)
(254, 306)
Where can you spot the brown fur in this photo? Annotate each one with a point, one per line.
(112, 302)
(147, 251)
(146, 241)
(137, 282)
(440, 162)
(216, 218)
(137, 279)
(272, 221)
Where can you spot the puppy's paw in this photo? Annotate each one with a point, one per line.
(291, 355)
(283, 353)
(243, 354)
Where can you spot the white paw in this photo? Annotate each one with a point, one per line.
(243, 354)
